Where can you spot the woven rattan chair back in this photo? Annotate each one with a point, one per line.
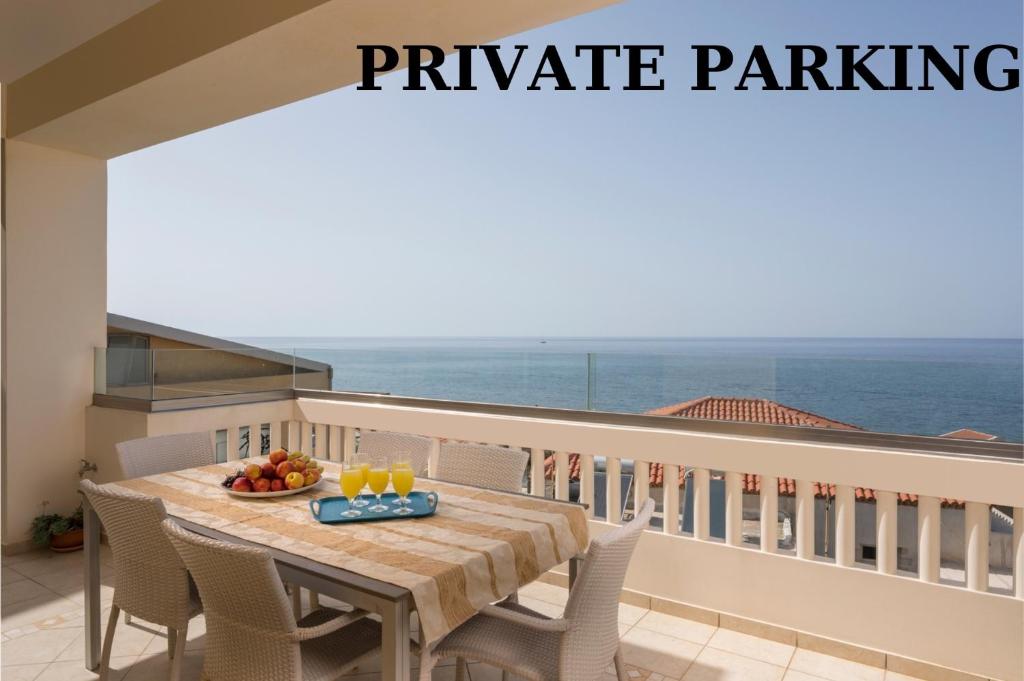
(250, 628)
(593, 605)
(383, 443)
(150, 580)
(488, 466)
(164, 453)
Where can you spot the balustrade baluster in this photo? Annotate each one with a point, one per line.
(733, 509)
(804, 519)
(561, 475)
(928, 538)
(701, 504)
(537, 471)
(769, 514)
(613, 473)
(587, 483)
(670, 479)
(885, 532)
(846, 531)
(976, 531)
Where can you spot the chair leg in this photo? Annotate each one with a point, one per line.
(620, 666)
(314, 600)
(171, 634)
(108, 642)
(297, 601)
(127, 619)
(504, 675)
(460, 669)
(179, 652)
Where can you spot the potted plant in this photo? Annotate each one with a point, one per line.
(62, 532)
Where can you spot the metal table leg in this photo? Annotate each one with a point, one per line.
(574, 568)
(395, 662)
(92, 586)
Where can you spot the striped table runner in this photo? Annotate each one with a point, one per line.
(479, 546)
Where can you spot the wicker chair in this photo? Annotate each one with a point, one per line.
(576, 647)
(383, 443)
(165, 453)
(488, 466)
(251, 632)
(150, 581)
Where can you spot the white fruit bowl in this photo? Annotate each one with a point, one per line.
(268, 495)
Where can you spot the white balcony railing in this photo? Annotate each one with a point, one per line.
(916, 616)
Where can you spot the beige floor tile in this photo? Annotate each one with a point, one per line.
(794, 675)
(631, 614)
(150, 667)
(543, 607)
(23, 590)
(76, 671)
(49, 562)
(10, 575)
(753, 647)
(659, 653)
(37, 647)
(24, 557)
(545, 592)
(688, 630)
(896, 676)
(49, 605)
(71, 585)
(833, 668)
(24, 672)
(483, 672)
(719, 665)
(129, 639)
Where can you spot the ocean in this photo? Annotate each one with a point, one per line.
(911, 386)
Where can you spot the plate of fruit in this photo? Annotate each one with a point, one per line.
(282, 474)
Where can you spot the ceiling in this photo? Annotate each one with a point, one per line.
(32, 32)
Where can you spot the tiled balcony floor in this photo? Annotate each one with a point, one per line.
(42, 638)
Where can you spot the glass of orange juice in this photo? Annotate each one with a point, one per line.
(362, 462)
(378, 477)
(351, 482)
(402, 479)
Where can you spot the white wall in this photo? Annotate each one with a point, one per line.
(55, 277)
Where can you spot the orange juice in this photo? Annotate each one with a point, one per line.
(365, 468)
(378, 480)
(351, 482)
(402, 479)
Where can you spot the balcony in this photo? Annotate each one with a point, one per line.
(689, 594)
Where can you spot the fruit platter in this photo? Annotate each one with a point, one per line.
(282, 474)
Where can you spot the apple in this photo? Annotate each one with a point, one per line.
(253, 471)
(241, 484)
(261, 485)
(277, 485)
(283, 469)
(294, 480)
(268, 470)
(310, 477)
(299, 465)
(277, 456)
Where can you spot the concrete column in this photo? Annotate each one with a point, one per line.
(587, 483)
(1018, 552)
(846, 530)
(641, 484)
(562, 475)
(670, 506)
(54, 317)
(537, 471)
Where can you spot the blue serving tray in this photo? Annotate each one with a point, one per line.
(329, 510)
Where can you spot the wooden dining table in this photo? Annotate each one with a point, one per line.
(478, 547)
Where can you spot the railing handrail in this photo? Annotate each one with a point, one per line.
(922, 444)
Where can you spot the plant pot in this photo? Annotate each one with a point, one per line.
(67, 541)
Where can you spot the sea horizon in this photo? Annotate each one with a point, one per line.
(926, 386)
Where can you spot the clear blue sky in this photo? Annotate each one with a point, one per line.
(672, 213)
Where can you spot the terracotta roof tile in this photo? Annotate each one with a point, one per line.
(753, 410)
(969, 434)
